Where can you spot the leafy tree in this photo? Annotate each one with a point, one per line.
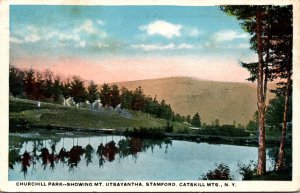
(65, 87)
(93, 93)
(126, 98)
(138, 99)
(188, 119)
(196, 120)
(39, 87)
(178, 118)
(115, 96)
(77, 90)
(29, 83)
(165, 111)
(16, 81)
(217, 123)
(48, 84)
(105, 95)
(252, 125)
(275, 111)
(57, 89)
(152, 106)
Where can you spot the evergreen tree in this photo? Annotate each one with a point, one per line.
(115, 96)
(16, 81)
(126, 98)
(93, 93)
(217, 123)
(188, 119)
(105, 95)
(138, 99)
(196, 120)
(252, 18)
(271, 28)
(275, 111)
(39, 87)
(29, 83)
(56, 89)
(65, 87)
(48, 84)
(77, 91)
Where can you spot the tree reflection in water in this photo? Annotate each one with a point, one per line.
(100, 154)
(45, 156)
(129, 146)
(74, 156)
(25, 160)
(89, 150)
(110, 150)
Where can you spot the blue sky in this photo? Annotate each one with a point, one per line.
(96, 32)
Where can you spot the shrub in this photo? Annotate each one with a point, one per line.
(169, 128)
(222, 172)
(224, 130)
(247, 170)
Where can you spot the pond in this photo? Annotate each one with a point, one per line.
(108, 157)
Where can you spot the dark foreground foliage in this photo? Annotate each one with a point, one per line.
(224, 130)
(248, 172)
(222, 172)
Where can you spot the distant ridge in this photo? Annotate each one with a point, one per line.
(228, 102)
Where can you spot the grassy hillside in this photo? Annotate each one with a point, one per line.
(57, 115)
(226, 101)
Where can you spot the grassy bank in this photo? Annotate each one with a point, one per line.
(26, 112)
(25, 115)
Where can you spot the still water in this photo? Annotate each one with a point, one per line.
(119, 158)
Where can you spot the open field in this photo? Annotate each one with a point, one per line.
(228, 102)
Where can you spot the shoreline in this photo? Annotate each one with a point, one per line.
(213, 139)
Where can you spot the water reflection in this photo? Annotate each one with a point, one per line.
(44, 152)
(41, 157)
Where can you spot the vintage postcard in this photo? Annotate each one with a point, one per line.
(160, 96)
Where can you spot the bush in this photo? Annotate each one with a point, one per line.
(224, 130)
(169, 128)
(183, 131)
(247, 170)
(222, 172)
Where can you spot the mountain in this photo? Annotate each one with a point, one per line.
(229, 102)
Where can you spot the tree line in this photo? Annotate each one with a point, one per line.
(46, 86)
(271, 30)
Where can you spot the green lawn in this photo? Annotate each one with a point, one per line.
(58, 115)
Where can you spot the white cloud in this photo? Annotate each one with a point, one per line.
(102, 45)
(100, 22)
(15, 40)
(32, 38)
(185, 46)
(228, 35)
(194, 32)
(74, 37)
(32, 29)
(171, 46)
(82, 44)
(162, 28)
(87, 27)
(238, 46)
